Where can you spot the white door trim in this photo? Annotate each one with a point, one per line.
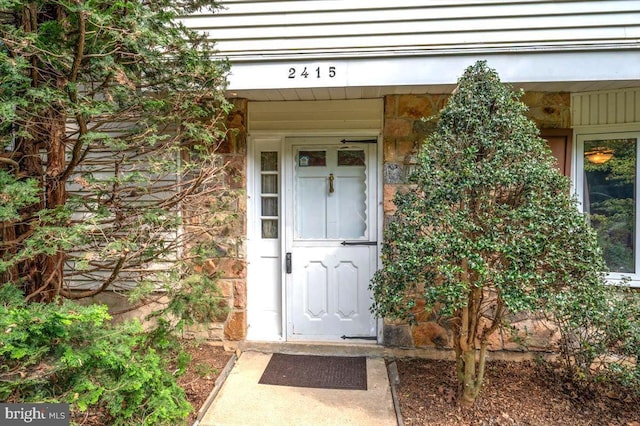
(253, 230)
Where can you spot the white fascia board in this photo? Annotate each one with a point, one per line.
(606, 65)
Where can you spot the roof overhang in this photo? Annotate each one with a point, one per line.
(324, 78)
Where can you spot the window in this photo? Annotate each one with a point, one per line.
(269, 194)
(607, 177)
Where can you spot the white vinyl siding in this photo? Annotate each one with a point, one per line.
(100, 164)
(260, 30)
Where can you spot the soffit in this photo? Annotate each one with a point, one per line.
(340, 93)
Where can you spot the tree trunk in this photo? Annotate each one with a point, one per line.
(473, 364)
(470, 370)
(469, 392)
(56, 195)
(40, 276)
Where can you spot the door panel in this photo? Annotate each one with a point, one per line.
(315, 290)
(331, 203)
(330, 292)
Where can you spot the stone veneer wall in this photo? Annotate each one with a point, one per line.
(234, 265)
(226, 232)
(404, 130)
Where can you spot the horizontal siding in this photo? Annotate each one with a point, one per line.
(100, 166)
(265, 29)
(606, 108)
(365, 114)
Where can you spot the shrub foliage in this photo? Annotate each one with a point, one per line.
(600, 329)
(111, 116)
(70, 353)
(486, 228)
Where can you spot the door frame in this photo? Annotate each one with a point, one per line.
(253, 229)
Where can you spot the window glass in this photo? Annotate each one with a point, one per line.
(269, 184)
(269, 206)
(269, 228)
(269, 194)
(312, 158)
(609, 198)
(350, 158)
(268, 161)
(331, 201)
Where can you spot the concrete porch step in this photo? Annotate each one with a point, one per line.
(315, 348)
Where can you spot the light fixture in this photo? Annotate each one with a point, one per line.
(599, 155)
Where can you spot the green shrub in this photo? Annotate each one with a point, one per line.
(70, 353)
(600, 329)
(487, 228)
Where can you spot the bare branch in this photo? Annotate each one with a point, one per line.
(81, 295)
(10, 162)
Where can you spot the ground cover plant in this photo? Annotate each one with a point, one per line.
(70, 353)
(487, 228)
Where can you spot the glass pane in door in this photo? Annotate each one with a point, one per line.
(311, 206)
(330, 200)
(351, 209)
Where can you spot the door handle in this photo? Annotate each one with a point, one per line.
(331, 179)
(287, 262)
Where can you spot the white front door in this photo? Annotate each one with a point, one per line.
(330, 238)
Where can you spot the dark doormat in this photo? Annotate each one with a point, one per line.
(313, 371)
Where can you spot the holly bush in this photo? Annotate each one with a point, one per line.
(600, 329)
(487, 227)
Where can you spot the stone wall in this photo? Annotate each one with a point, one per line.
(404, 130)
(225, 233)
(234, 265)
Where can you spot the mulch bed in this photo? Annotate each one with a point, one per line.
(207, 362)
(514, 393)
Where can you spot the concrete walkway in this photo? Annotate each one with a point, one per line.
(242, 401)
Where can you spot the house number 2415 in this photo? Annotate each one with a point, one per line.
(310, 72)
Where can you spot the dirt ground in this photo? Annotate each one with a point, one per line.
(514, 393)
(207, 362)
